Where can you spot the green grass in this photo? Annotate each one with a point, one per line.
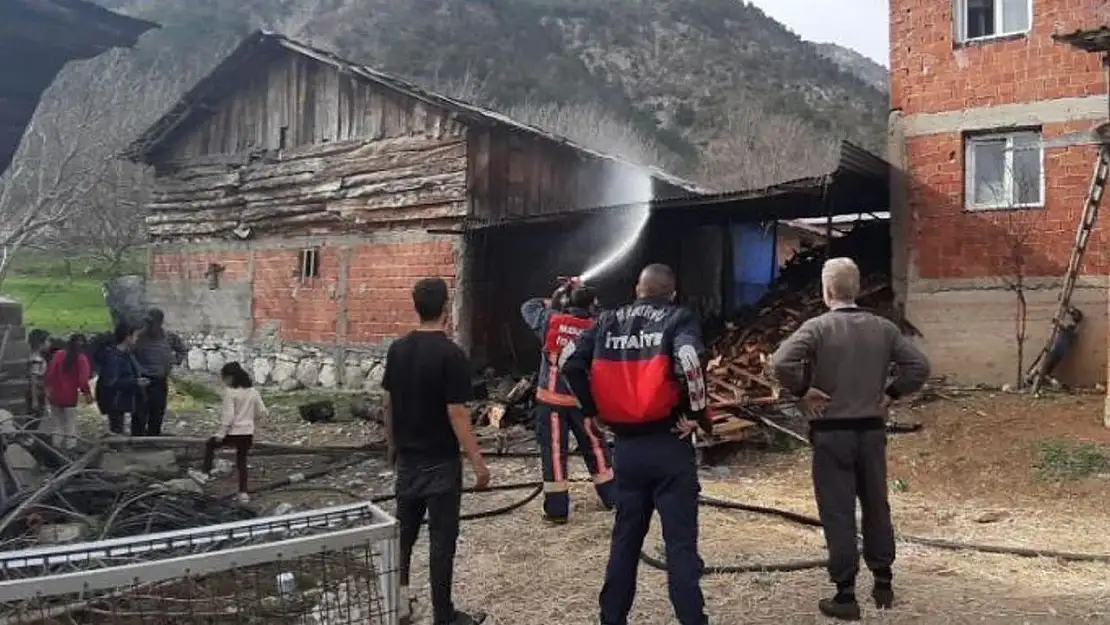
(58, 305)
(1066, 460)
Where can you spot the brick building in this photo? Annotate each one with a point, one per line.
(990, 124)
(299, 196)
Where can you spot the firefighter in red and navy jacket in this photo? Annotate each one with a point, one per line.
(557, 323)
(639, 370)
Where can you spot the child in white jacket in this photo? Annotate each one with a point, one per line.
(242, 405)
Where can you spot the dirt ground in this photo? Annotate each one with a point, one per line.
(998, 469)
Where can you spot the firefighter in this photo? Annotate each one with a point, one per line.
(557, 322)
(640, 369)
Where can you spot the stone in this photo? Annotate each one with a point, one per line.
(289, 385)
(308, 372)
(282, 509)
(260, 369)
(992, 516)
(351, 375)
(374, 378)
(183, 485)
(327, 377)
(196, 360)
(295, 353)
(215, 361)
(366, 365)
(222, 467)
(283, 371)
(61, 533)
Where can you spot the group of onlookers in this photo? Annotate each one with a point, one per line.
(131, 367)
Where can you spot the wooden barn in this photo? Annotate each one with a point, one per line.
(299, 196)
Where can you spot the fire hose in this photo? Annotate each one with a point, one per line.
(295, 482)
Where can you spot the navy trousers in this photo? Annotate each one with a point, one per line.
(553, 424)
(655, 472)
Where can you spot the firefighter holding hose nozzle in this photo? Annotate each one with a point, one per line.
(557, 322)
(640, 371)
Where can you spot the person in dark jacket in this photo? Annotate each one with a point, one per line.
(157, 352)
(639, 370)
(839, 364)
(119, 387)
(557, 412)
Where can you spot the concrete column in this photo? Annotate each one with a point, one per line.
(342, 318)
(900, 218)
(461, 302)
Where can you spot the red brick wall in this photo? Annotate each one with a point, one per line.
(305, 309)
(953, 243)
(379, 293)
(379, 282)
(930, 73)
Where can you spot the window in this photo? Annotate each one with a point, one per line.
(308, 264)
(983, 19)
(1004, 170)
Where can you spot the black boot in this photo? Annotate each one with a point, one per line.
(462, 618)
(843, 606)
(883, 593)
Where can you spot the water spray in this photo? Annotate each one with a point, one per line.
(634, 188)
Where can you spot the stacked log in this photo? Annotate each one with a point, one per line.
(322, 188)
(742, 387)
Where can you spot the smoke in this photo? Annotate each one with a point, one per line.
(631, 187)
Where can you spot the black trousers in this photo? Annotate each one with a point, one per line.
(242, 444)
(150, 412)
(655, 473)
(433, 487)
(850, 464)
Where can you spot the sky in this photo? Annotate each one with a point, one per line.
(857, 24)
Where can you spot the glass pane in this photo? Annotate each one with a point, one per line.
(989, 167)
(1027, 169)
(1015, 16)
(980, 18)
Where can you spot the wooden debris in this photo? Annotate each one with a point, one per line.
(742, 386)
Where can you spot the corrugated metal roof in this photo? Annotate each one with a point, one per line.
(860, 183)
(42, 36)
(259, 45)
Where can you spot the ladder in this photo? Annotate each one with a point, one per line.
(1079, 248)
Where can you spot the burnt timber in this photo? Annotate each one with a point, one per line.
(42, 36)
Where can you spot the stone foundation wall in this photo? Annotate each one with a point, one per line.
(288, 366)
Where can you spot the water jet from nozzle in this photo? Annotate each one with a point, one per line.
(630, 187)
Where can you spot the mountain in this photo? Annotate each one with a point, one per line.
(712, 85)
(855, 63)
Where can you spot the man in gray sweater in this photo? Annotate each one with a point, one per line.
(839, 364)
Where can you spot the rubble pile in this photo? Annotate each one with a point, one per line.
(741, 385)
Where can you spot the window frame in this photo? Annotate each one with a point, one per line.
(960, 19)
(308, 264)
(970, 141)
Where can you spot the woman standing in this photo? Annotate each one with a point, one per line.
(119, 386)
(66, 380)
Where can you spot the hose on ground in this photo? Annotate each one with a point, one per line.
(293, 482)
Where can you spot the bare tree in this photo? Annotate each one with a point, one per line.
(67, 190)
(758, 148)
(1014, 207)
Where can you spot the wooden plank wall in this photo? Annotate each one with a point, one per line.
(513, 174)
(324, 189)
(297, 101)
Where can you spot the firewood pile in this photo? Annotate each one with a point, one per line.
(742, 388)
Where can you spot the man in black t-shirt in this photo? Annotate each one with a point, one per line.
(427, 383)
